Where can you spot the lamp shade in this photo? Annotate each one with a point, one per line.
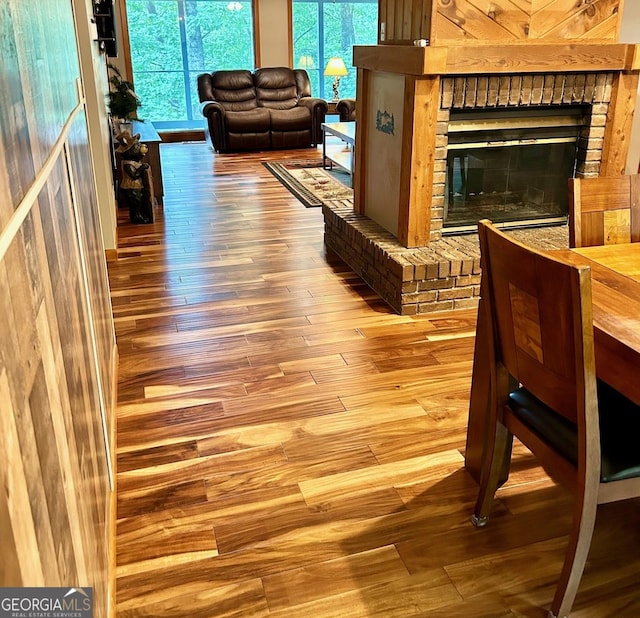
(306, 62)
(336, 67)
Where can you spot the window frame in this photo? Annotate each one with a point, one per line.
(122, 32)
(321, 43)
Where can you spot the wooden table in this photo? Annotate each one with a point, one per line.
(346, 131)
(615, 282)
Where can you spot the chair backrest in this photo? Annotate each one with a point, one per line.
(604, 210)
(276, 87)
(346, 109)
(541, 320)
(234, 90)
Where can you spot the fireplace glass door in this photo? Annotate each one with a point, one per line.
(510, 168)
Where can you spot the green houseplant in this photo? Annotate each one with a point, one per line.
(123, 102)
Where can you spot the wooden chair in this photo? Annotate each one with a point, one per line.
(543, 389)
(604, 211)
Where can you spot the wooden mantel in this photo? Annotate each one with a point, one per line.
(492, 58)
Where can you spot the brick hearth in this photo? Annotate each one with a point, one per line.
(442, 276)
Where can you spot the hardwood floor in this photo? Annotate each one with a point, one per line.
(289, 447)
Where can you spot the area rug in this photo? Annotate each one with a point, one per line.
(311, 184)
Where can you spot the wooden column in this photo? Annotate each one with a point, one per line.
(422, 97)
(619, 125)
(360, 162)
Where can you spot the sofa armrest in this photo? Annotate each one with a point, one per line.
(318, 108)
(214, 127)
(346, 108)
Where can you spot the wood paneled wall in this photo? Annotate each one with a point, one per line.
(57, 343)
(456, 22)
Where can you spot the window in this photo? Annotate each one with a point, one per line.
(173, 41)
(326, 28)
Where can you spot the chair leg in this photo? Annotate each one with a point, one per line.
(493, 469)
(576, 556)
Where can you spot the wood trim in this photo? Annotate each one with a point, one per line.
(536, 57)
(126, 43)
(24, 207)
(382, 18)
(404, 59)
(255, 8)
(531, 57)
(363, 86)
(421, 105)
(575, 225)
(634, 62)
(111, 255)
(635, 207)
(619, 125)
(290, 31)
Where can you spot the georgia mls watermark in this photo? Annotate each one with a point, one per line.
(46, 602)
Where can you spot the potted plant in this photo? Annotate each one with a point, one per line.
(122, 100)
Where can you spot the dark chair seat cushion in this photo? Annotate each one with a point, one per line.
(295, 119)
(252, 121)
(619, 430)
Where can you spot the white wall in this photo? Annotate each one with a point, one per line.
(630, 33)
(273, 31)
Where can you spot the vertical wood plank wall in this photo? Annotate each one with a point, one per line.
(456, 22)
(57, 342)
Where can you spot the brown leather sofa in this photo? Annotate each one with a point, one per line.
(346, 109)
(269, 108)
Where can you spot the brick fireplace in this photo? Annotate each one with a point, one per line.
(395, 237)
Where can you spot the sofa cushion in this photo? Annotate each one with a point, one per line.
(234, 90)
(295, 119)
(253, 121)
(276, 88)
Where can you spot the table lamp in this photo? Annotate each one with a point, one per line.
(335, 68)
(306, 62)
